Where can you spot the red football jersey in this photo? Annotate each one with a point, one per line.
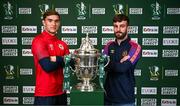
(45, 45)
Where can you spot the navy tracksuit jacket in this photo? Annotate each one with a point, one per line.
(120, 81)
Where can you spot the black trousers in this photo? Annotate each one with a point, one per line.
(60, 100)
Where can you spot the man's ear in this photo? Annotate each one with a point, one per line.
(43, 22)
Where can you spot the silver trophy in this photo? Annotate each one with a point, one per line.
(88, 64)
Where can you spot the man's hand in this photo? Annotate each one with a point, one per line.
(53, 58)
(124, 58)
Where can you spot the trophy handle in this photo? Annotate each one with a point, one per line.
(108, 60)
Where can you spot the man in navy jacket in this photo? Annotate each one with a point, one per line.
(124, 55)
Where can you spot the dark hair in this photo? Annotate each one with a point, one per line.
(50, 12)
(121, 17)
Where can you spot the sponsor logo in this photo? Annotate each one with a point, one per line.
(137, 72)
(168, 102)
(171, 30)
(118, 9)
(135, 39)
(9, 29)
(148, 90)
(10, 100)
(170, 41)
(148, 102)
(10, 72)
(28, 89)
(168, 91)
(10, 89)
(107, 30)
(42, 28)
(9, 52)
(150, 29)
(106, 40)
(98, 10)
(8, 10)
(29, 29)
(28, 100)
(170, 53)
(89, 29)
(154, 73)
(26, 71)
(82, 11)
(26, 52)
(62, 10)
(150, 41)
(9, 40)
(135, 90)
(70, 41)
(173, 10)
(149, 53)
(156, 9)
(171, 72)
(25, 11)
(135, 10)
(93, 41)
(27, 40)
(69, 29)
(43, 8)
(133, 30)
(135, 101)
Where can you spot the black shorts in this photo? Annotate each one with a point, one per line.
(51, 100)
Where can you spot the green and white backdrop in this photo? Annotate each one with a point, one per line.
(154, 24)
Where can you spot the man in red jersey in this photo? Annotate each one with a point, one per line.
(48, 52)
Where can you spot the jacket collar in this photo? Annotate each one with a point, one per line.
(48, 36)
(123, 42)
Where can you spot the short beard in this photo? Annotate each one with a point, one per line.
(123, 35)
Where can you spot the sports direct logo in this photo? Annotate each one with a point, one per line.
(168, 91)
(70, 41)
(133, 30)
(89, 29)
(148, 102)
(9, 29)
(150, 29)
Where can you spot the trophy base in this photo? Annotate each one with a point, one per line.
(85, 88)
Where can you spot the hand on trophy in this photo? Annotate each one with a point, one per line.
(124, 58)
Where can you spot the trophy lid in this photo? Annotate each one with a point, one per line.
(86, 44)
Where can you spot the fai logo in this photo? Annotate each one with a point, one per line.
(8, 11)
(61, 46)
(9, 69)
(154, 73)
(81, 11)
(43, 8)
(156, 11)
(118, 9)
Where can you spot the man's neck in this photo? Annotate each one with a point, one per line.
(121, 40)
(52, 34)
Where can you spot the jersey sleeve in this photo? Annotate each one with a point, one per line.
(134, 52)
(39, 49)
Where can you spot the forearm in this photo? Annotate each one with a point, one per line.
(48, 65)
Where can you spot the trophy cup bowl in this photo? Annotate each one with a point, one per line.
(86, 65)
